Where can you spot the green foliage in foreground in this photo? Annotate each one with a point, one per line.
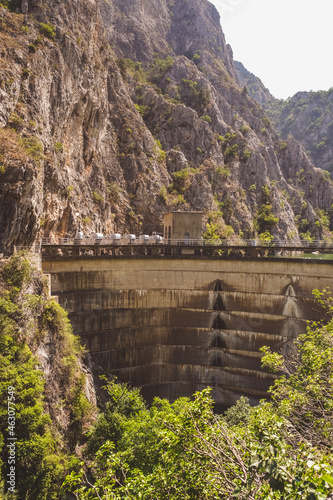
(279, 450)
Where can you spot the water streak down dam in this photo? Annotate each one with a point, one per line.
(177, 325)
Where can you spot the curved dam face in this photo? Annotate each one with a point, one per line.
(177, 325)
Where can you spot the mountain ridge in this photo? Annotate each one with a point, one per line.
(307, 116)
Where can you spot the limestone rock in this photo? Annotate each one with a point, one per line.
(24, 7)
(114, 99)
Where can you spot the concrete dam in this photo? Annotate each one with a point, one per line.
(175, 325)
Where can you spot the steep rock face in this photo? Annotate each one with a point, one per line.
(307, 116)
(254, 85)
(130, 109)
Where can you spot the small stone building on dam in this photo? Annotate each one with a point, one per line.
(174, 324)
(183, 226)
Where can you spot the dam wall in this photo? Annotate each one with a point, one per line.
(177, 325)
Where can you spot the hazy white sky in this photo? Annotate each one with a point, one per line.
(288, 44)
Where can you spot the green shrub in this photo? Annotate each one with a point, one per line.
(26, 72)
(223, 171)
(161, 154)
(17, 271)
(244, 129)
(321, 145)
(179, 179)
(163, 193)
(141, 109)
(266, 121)
(86, 220)
(195, 95)
(98, 198)
(266, 236)
(282, 146)
(231, 152)
(114, 191)
(265, 220)
(160, 68)
(69, 191)
(15, 121)
(47, 30)
(33, 147)
(246, 154)
(306, 236)
(58, 147)
(135, 69)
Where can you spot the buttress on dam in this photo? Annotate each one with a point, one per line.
(175, 325)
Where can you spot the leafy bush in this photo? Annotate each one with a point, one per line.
(17, 271)
(179, 180)
(26, 72)
(161, 154)
(33, 147)
(265, 220)
(163, 193)
(244, 129)
(195, 95)
(142, 109)
(223, 171)
(15, 121)
(231, 152)
(133, 68)
(114, 190)
(98, 198)
(47, 30)
(69, 191)
(58, 147)
(160, 68)
(246, 154)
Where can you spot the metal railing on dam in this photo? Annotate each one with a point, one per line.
(177, 247)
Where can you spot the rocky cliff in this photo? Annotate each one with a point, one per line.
(254, 86)
(307, 116)
(113, 112)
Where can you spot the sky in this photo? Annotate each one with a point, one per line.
(288, 44)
